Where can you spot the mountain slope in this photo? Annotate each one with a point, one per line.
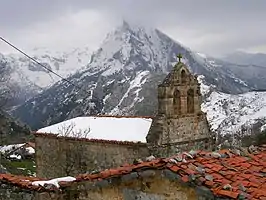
(12, 131)
(29, 78)
(122, 77)
(243, 58)
(230, 113)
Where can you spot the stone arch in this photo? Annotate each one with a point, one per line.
(190, 101)
(183, 76)
(198, 92)
(177, 102)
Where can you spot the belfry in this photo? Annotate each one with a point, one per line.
(179, 125)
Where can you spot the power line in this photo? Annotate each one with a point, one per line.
(31, 58)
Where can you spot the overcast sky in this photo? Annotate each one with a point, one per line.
(214, 27)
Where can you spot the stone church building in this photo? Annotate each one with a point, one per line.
(179, 125)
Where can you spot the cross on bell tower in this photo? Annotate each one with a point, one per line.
(179, 56)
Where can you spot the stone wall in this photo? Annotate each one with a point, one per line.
(61, 156)
(9, 192)
(178, 134)
(148, 185)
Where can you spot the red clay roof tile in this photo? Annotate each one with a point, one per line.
(226, 193)
(239, 175)
(185, 179)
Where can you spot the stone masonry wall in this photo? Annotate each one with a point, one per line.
(8, 192)
(173, 135)
(148, 185)
(57, 157)
(184, 129)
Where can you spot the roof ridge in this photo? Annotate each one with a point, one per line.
(89, 139)
(120, 116)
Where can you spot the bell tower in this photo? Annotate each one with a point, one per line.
(180, 124)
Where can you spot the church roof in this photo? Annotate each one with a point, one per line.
(230, 174)
(117, 128)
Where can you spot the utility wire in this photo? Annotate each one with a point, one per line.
(31, 58)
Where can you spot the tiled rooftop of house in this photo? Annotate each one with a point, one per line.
(227, 173)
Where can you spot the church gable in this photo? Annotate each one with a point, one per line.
(179, 93)
(180, 75)
(179, 123)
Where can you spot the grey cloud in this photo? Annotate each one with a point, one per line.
(230, 25)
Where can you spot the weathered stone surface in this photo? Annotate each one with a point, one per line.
(147, 173)
(152, 188)
(180, 124)
(56, 157)
(8, 192)
(171, 175)
(129, 177)
(131, 194)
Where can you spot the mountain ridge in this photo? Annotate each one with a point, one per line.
(29, 78)
(122, 78)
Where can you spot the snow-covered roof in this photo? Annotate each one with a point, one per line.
(119, 128)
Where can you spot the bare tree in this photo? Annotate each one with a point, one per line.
(72, 150)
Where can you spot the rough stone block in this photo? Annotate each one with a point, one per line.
(170, 175)
(147, 173)
(102, 183)
(129, 177)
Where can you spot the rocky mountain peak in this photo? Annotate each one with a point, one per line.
(131, 47)
(123, 74)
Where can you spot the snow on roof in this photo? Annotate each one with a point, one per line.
(54, 182)
(126, 128)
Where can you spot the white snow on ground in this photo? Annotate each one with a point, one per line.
(30, 150)
(7, 148)
(204, 89)
(263, 128)
(227, 112)
(64, 63)
(230, 112)
(135, 84)
(106, 128)
(18, 157)
(11, 147)
(54, 182)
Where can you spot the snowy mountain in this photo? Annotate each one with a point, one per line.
(230, 113)
(243, 58)
(122, 77)
(29, 78)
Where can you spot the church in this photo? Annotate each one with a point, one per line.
(130, 157)
(179, 125)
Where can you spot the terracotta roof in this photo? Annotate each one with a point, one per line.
(88, 140)
(21, 181)
(227, 173)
